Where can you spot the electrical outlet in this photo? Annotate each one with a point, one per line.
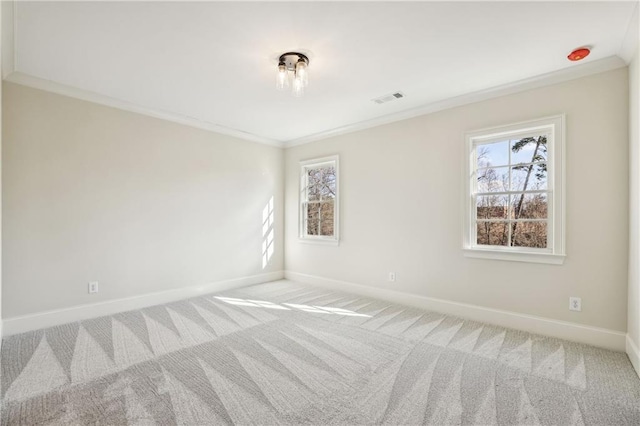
(93, 287)
(392, 276)
(575, 304)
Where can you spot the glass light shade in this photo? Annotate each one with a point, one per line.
(298, 87)
(282, 80)
(302, 73)
(293, 72)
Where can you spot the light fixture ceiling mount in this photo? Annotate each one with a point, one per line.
(293, 72)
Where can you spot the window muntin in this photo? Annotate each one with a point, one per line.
(511, 192)
(319, 200)
(514, 190)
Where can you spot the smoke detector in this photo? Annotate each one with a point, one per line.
(579, 54)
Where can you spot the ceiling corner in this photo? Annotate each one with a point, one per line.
(629, 45)
(8, 37)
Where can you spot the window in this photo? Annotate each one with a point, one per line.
(319, 200)
(514, 192)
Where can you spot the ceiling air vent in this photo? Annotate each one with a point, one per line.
(388, 98)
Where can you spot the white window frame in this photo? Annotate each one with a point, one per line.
(554, 128)
(302, 194)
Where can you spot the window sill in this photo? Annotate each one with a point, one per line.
(548, 258)
(319, 241)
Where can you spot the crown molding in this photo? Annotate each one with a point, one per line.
(85, 95)
(548, 79)
(629, 46)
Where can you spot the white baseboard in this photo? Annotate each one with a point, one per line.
(21, 324)
(602, 337)
(634, 354)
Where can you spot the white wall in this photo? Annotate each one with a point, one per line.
(633, 324)
(401, 207)
(2, 54)
(140, 205)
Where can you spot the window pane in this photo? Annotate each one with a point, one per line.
(328, 189)
(313, 216)
(493, 233)
(529, 206)
(492, 206)
(493, 179)
(326, 213)
(314, 176)
(492, 154)
(530, 234)
(529, 150)
(529, 178)
(321, 183)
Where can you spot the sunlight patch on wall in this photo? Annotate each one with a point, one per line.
(268, 234)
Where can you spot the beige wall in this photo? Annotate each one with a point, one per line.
(141, 205)
(144, 205)
(401, 207)
(634, 203)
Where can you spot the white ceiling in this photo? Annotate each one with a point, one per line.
(216, 62)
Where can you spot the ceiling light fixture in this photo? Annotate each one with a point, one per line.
(293, 72)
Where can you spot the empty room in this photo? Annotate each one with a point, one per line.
(325, 213)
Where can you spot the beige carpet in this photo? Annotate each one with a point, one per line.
(283, 353)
